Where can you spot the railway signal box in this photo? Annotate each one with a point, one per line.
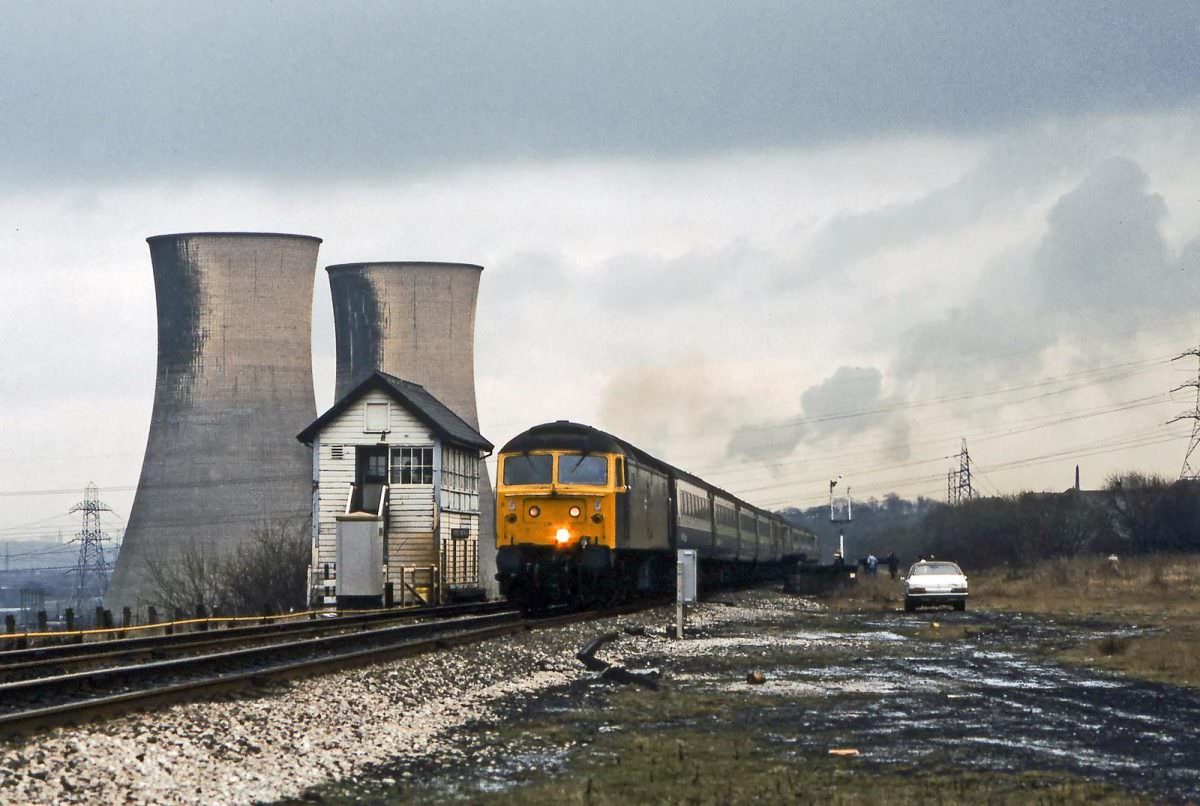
(396, 497)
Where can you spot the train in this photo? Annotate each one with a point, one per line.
(584, 517)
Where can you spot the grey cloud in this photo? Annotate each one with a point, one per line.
(362, 90)
(1102, 266)
(636, 282)
(765, 441)
(1104, 252)
(823, 418)
(1019, 164)
(848, 389)
(973, 344)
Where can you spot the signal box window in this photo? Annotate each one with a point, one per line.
(528, 468)
(582, 469)
(412, 466)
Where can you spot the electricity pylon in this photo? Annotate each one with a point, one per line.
(1190, 471)
(91, 539)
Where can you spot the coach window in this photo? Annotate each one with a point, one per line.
(584, 469)
(528, 468)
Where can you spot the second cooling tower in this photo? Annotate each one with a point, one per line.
(415, 320)
(234, 385)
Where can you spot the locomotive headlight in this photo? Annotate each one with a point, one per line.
(534, 511)
(562, 536)
(575, 512)
(511, 505)
(596, 505)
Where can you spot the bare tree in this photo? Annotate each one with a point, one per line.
(1133, 498)
(187, 576)
(265, 574)
(268, 572)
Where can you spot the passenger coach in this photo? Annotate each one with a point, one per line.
(584, 516)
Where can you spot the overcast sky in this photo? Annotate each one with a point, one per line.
(772, 242)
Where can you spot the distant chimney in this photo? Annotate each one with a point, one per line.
(1076, 478)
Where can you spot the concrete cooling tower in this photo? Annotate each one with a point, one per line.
(416, 320)
(234, 387)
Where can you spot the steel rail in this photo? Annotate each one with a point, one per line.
(65, 655)
(402, 641)
(131, 673)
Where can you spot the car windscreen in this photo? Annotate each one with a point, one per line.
(929, 569)
(528, 468)
(574, 469)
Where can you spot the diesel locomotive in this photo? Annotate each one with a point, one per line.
(584, 517)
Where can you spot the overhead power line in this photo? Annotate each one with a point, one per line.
(1132, 440)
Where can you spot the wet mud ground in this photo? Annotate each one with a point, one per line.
(980, 692)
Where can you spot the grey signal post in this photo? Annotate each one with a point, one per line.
(685, 585)
(840, 521)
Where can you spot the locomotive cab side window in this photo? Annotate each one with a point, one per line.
(528, 468)
(582, 469)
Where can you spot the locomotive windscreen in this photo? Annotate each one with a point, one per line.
(528, 469)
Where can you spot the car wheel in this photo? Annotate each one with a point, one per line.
(960, 605)
(909, 605)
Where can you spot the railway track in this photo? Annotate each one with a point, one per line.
(48, 700)
(24, 664)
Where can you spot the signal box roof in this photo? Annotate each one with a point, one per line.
(416, 398)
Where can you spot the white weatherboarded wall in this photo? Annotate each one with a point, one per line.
(418, 526)
(409, 539)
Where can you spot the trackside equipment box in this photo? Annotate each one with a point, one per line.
(359, 569)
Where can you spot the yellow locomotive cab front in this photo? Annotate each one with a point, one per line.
(557, 500)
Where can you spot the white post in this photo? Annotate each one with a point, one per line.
(679, 596)
(685, 585)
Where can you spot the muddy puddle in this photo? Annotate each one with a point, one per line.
(979, 692)
(987, 701)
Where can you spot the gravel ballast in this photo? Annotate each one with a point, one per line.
(281, 741)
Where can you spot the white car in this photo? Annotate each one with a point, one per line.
(934, 582)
